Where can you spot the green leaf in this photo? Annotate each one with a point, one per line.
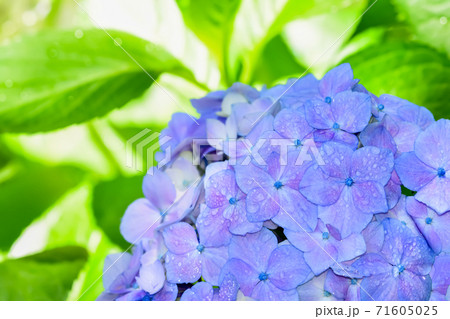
(73, 219)
(429, 20)
(316, 41)
(89, 284)
(380, 14)
(5, 155)
(212, 21)
(57, 78)
(110, 200)
(276, 63)
(45, 276)
(26, 191)
(258, 21)
(411, 71)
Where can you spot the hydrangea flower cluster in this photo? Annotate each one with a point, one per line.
(312, 190)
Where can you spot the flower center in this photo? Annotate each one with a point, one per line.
(325, 235)
(186, 183)
(353, 282)
(336, 126)
(200, 247)
(401, 268)
(147, 297)
(326, 293)
(232, 201)
(297, 142)
(278, 184)
(263, 276)
(441, 172)
(380, 107)
(349, 181)
(328, 100)
(428, 220)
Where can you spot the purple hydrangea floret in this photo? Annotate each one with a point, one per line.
(316, 189)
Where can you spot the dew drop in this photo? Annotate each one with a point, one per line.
(52, 53)
(149, 47)
(9, 83)
(79, 34)
(118, 41)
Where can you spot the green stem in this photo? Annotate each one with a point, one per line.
(98, 141)
(201, 85)
(225, 57)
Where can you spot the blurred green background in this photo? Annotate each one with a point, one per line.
(70, 97)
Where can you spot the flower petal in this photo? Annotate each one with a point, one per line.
(381, 287)
(440, 275)
(436, 194)
(266, 291)
(417, 256)
(159, 189)
(213, 227)
(169, 292)
(350, 247)
(229, 288)
(183, 268)
(393, 192)
(337, 160)
(377, 135)
(318, 114)
(369, 197)
(246, 276)
(201, 291)
(413, 287)
(300, 91)
(352, 110)
(399, 212)
(151, 277)
(374, 237)
(296, 212)
(140, 221)
(336, 80)
(396, 234)
(371, 163)
(434, 227)
(219, 188)
(406, 136)
(262, 204)
(413, 173)
(115, 265)
(287, 268)
(291, 124)
(343, 137)
(216, 130)
(432, 146)
(254, 249)
(314, 290)
(319, 188)
(239, 224)
(321, 258)
(180, 238)
(372, 264)
(250, 176)
(344, 215)
(213, 259)
(336, 285)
